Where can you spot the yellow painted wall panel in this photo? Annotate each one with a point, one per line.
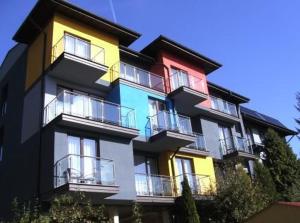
(97, 38)
(202, 166)
(35, 56)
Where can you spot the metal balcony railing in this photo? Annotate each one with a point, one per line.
(91, 108)
(166, 120)
(84, 170)
(232, 144)
(179, 79)
(199, 143)
(223, 106)
(78, 47)
(153, 185)
(199, 184)
(138, 76)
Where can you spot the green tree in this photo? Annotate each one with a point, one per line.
(137, 213)
(189, 211)
(63, 208)
(237, 198)
(264, 183)
(282, 164)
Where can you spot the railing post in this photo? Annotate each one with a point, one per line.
(102, 110)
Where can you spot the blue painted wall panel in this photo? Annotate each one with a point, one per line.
(138, 99)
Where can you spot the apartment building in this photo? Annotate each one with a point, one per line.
(81, 111)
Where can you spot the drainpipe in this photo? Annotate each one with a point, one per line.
(42, 105)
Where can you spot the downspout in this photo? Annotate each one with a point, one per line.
(42, 106)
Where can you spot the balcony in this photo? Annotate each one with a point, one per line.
(154, 188)
(168, 131)
(220, 109)
(198, 147)
(77, 61)
(85, 173)
(92, 114)
(236, 146)
(139, 76)
(186, 91)
(200, 184)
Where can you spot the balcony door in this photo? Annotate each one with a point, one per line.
(145, 169)
(77, 46)
(226, 140)
(82, 160)
(157, 115)
(185, 169)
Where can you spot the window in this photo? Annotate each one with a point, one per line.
(178, 78)
(157, 116)
(3, 100)
(1, 145)
(185, 169)
(82, 153)
(77, 46)
(145, 165)
(256, 136)
(226, 139)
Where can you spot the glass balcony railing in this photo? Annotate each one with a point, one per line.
(168, 121)
(84, 170)
(199, 184)
(199, 143)
(138, 76)
(179, 79)
(91, 108)
(78, 47)
(223, 106)
(232, 144)
(153, 185)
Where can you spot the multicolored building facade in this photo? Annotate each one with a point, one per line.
(81, 111)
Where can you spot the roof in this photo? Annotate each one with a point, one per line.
(44, 10)
(266, 120)
(165, 43)
(10, 58)
(135, 55)
(232, 95)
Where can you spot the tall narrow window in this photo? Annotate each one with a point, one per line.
(185, 169)
(157, 116)
(82, 161)
(1, 145)
(226, 140)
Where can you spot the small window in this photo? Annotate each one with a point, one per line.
(4, 100)
(1, 145)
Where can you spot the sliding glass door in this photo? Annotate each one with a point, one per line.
(185, 169)
(226, 140)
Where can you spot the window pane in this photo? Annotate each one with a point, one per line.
(69, 44)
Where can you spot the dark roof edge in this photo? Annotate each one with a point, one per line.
(241, 98)
(208, 60)
(76, 8)
(136, 53)
(286, 130)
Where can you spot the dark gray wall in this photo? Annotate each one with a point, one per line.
(117, 149)
(121, 152)
(31, 112)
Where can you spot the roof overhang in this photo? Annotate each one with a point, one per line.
(251, 118)
(134, 55)
(44, 10)
(228, 93)
(163, 43)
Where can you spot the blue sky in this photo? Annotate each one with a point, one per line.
(258, 42)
